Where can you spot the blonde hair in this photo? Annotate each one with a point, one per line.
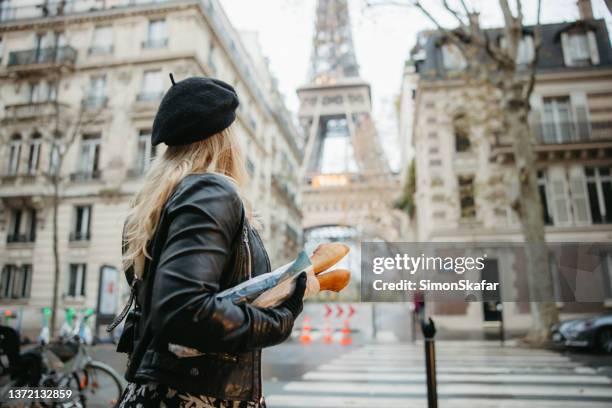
(219, 154)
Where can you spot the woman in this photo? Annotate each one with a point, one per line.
(188, 237)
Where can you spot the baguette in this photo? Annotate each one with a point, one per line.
(327, 255)
(335, 280)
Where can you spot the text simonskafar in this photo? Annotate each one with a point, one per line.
(428, 285)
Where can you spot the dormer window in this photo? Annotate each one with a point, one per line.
(579, 48)
(525, 51)
(452, 57)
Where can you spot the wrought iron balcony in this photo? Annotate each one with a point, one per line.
(560, 140)
(86, 175)
(79, 236)
(23, 111)
(149, 96)
(573, 131)
(94, 102)
(65, 55)
(155, 43)
(20, 238)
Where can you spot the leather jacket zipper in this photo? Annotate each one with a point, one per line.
(245, 238)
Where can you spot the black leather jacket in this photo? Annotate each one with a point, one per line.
(203, 244)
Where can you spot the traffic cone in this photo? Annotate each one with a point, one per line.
(305, 337)
(346, 340)
(327, 332)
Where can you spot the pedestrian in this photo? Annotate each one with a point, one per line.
(188, 236)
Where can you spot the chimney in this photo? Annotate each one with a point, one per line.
(585, 9)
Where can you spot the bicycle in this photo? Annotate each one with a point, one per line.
(63, 364)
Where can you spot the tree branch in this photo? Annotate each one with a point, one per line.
(537, 44)
(454, 13)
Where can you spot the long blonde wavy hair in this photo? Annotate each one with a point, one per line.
(219, 154)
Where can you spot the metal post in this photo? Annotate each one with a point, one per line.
(429, 331)
(502, 335)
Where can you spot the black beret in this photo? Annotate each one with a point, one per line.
(194, 109)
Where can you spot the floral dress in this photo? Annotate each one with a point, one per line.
(153, 394)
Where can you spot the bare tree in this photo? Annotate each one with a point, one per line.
(73, 120)
(495, 65)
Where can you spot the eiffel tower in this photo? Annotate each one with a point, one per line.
(348, 187)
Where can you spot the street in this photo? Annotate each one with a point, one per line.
(470, 374)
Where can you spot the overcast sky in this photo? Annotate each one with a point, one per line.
(382, 37)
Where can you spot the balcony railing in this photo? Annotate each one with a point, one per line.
(51, 55)
(150, 96)
(23, 111)
(100, 50)
(54, 8)
(573, 131)
(155, 43)
(79, 236)
(20, 238)
(95, 102)
(85, 175)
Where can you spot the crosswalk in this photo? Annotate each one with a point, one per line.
(469, 374)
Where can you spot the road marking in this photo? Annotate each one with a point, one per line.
(315, 401)
(368, 367)
(470, 378)
(451, 389)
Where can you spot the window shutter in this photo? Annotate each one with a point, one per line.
(559, 197)
(567, 57)
(535, 123)
(593, 48)
(583, 128)
(580, 200)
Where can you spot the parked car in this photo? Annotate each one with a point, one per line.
(590, 332)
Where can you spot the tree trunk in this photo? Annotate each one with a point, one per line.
(56, 261)
(529, 208)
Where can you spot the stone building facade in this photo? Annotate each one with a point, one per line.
(97, 70)
(464, 170)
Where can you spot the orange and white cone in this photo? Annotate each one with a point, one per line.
(305, 337)
(346, 340)
(327, 332)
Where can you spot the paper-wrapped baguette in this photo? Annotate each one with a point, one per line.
(327, 255)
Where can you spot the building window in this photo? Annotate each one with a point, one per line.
(14, 155)
(96, 95)
(525, 51)
(1, 41)
(211, 58)
(15, 282)
(22, 226)
(461, 129)
(81, 230)
(146, 152)
(54, 155)
(542, 187)
(466, 197)
(76, 280)
(579, 48)
(89, 162)
(33, 154)
(452, 58)
(52, 91)
(157, 35)
(558, 125)
(599, 187)
(35, 94)
(152, 86)
(102, 42)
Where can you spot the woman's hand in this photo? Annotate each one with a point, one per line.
(295, 302)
